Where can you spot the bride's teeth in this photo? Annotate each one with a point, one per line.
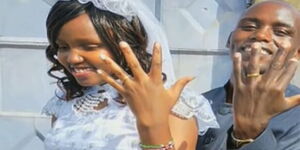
(82, 69)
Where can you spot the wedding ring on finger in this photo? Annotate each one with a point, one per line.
(125, 79)
(252, 75)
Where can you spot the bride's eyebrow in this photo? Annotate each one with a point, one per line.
(88, 41)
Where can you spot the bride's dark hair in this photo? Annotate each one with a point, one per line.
(111, 28)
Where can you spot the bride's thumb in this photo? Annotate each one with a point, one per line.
(177, 88)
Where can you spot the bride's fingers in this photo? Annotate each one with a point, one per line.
(132, 61)
(156, 64)
(111, 81)
(179, 85)
(115, 69)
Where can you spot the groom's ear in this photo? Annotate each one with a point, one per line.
(228, 40)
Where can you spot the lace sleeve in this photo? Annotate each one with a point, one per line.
(193, 105)
(53, 106)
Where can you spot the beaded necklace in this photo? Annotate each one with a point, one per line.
(93, 97)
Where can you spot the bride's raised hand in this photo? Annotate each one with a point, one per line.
(144, 92)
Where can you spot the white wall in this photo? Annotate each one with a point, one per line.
(197, 31)
(24, 83)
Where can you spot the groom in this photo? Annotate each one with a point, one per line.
(258, 108)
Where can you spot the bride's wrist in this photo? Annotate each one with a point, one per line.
(153, 120)
(154, 133)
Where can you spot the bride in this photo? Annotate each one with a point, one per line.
(113, 93)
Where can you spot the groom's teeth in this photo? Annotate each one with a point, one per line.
(264, 52)
(248, 49)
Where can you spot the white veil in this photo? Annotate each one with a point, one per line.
(129, 8)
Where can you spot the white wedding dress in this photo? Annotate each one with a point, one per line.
(112, 127)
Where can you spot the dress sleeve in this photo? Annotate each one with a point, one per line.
(195, 105)
(52, 107)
